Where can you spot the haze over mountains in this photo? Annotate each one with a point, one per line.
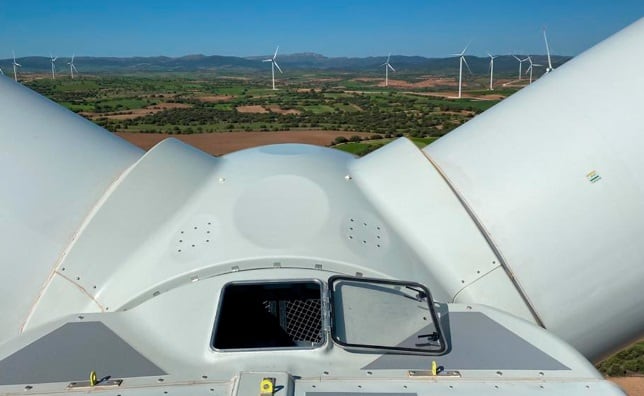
(288, 62)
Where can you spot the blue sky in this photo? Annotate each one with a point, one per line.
(332, 27)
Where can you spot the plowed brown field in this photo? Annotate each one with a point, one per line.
(226, 142)
(634, 386)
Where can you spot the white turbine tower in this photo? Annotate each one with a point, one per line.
(520, 64)
(491, 70)
(72, 68)
(462, 59)
(274, 65)
(545, 38)
(15, 66)
(387, 67)
(53, 66)
(532, 66)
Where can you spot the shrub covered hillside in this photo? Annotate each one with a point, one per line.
(630, 361)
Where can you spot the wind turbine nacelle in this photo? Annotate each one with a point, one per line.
(533, 208)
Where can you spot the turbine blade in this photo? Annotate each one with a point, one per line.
(75, 69)
(276, 49)
(465, 49)
(468, 66)
(388, 57)
(545, 38)
(517, 58)
(391, 67)
(267, 60)
(278, 67)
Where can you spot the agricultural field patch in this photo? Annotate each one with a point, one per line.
(186, 104)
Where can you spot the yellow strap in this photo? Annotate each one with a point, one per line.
(92, 378)
(434, 367)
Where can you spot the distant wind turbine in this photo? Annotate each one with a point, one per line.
(545, 38)
(532, 66)
(491, 70)
(15, 66)
(520, 64)
(1, 72)
(72, 68)
(462, 59)
(53, 66)
(274, 65)
(387, 67)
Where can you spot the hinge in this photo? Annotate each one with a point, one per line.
(326, 311)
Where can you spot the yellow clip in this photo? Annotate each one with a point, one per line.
(92, 378)
(434, 367)
(266, 387)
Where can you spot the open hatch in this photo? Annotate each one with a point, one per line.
(360, 314)
(383, 315)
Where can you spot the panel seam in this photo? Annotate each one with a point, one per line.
(490, 241)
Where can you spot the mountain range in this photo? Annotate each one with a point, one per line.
(288, 62)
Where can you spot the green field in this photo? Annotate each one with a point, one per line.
(211, 104)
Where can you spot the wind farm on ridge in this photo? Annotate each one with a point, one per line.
(348, 103)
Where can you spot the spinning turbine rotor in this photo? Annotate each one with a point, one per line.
(274, 64)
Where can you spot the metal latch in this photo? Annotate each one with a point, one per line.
(95, 383)
(267, 386)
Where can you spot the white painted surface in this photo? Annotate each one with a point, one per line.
(54, 166)
(574, 244)
(181, 213)
(414, 198)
